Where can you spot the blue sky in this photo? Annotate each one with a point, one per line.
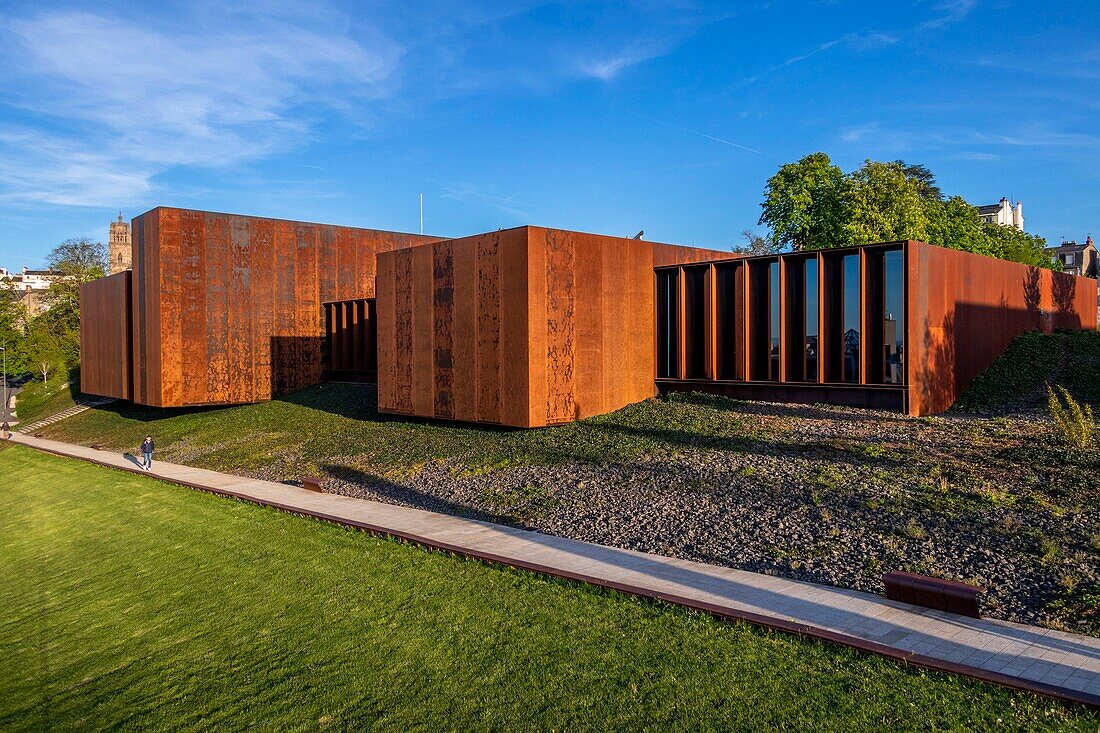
(605, 117)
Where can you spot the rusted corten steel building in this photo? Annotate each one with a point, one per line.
(903, 326)
(531, 326)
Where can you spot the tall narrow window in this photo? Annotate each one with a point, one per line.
(773, 318)
(729, 315)
(760, 320)
(695, 326)
(810, 345)
(851, 329)
(668, 317)
(894, 317)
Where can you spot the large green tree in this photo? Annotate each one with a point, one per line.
(44, 349)
(883, 204)
(804, 204)
(12, 325)
(812, 204)
(76, 261)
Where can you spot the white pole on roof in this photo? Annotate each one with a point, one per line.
(421, 213)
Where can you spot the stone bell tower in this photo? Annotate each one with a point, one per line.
(119, 248)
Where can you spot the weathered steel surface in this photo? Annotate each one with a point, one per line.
(227, 308)
(350, 333)
(964, 309)
(523, 327)
(105, 326)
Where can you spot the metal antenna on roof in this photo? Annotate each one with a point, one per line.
(421, 213)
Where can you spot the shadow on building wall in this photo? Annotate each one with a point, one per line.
(966, 341)
(295, 362)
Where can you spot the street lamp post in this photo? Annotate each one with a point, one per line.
(4, 350)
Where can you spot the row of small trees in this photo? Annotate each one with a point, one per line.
(48, 343)
(812, 204)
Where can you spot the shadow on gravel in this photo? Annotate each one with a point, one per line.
(756, 446)
(773, 409)
(399, 493)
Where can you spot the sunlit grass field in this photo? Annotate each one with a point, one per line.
(132, 604)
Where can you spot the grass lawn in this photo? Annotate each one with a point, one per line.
(130, 603)
(35, 401)
(330, 421)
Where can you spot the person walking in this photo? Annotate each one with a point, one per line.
(147, 448)
(5, 430)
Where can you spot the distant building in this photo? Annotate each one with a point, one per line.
(1003, 213)
(1076, 259)
(119, 247)
(31, 285)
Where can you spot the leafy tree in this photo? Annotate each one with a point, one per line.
(805, 202)
(812, 204)
(955, 224)
(76, 261)
(12, 320)
(81, 257)
(756, 244)
(884, 204)
(923, 178)
(44, 349)
(1009, 243)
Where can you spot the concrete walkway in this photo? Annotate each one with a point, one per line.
(1053, 663)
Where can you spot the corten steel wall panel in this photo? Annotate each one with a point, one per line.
(190, 326)
(465, 340)
(445, 311)
(106, 336)
(542, 326)
(489, 308)
(598, 318)
(423, 312)
(387, 355)
(227, 308)
(964, 310)
(219, 245)
(443, 328)
(146, 307)
(515, 341)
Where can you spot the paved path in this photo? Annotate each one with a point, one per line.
(1041, 660)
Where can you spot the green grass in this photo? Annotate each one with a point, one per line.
(330, 422)
(36, 401)
(132, 604)
(1018, 377)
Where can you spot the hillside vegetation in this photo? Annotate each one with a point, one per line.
(1018, 378)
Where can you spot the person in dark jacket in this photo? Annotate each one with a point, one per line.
(147, 448)
(5, 431)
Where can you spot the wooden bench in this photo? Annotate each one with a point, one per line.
(924, 590)
(313, 484)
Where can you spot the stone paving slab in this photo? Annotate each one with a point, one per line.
(1044, 661)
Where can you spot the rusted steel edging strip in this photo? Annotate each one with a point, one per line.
(724, 612)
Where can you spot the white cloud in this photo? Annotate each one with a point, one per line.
(468, 194)
(608, 67)
(114, 102)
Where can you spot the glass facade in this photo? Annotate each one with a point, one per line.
(773, 326)
(894, 317)
(851, 330)
(729, 315)
(796, 319)
(812, 328)
(668, 319)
